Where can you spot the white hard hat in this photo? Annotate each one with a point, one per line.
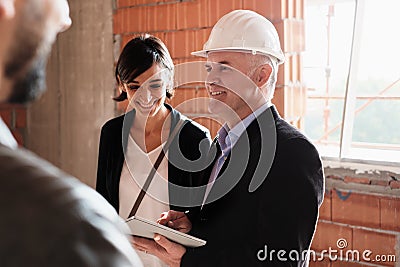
(244, 30)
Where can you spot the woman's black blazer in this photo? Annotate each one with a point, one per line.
(186, 158)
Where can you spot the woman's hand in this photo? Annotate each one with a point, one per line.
(176, 220)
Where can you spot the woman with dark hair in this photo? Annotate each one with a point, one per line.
(131, 143)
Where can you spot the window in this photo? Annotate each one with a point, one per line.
(351, 70)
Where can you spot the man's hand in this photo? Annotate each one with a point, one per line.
(176, 220)
(169, 252)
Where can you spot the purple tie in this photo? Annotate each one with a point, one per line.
(225, 145)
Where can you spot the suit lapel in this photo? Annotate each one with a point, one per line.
(246, 151)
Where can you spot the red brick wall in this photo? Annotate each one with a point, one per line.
(15, 118)
(367, 221)
(184, 26)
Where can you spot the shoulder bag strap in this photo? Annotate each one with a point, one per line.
(153, 170)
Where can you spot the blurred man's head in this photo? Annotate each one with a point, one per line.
(29, 28)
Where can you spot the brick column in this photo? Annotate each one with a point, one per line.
(290, 94)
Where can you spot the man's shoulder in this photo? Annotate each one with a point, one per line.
(271, 124)
(285, 131)
(34, 178)
(288, 138)
(50, 208)
(292, 143)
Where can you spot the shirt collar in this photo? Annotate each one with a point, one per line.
(6, 138)
(227, 138)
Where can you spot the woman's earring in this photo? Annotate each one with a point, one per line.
(121, 88)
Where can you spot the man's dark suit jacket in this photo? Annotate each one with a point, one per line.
(186, 159)
(49, 218)
(247, 228)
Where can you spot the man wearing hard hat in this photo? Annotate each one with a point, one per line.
(266, 182)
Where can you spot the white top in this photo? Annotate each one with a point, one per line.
(136, 168)
(6, 138)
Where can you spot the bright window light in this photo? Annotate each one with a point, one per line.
(353, 79)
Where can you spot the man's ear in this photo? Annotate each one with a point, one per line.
(263, 75)
(7, 9)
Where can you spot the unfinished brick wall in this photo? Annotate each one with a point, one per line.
(14, 117)
(185, 25)
(363, 209)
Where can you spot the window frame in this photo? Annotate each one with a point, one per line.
(346, 148)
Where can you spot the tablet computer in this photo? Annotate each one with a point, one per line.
(146, 228)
